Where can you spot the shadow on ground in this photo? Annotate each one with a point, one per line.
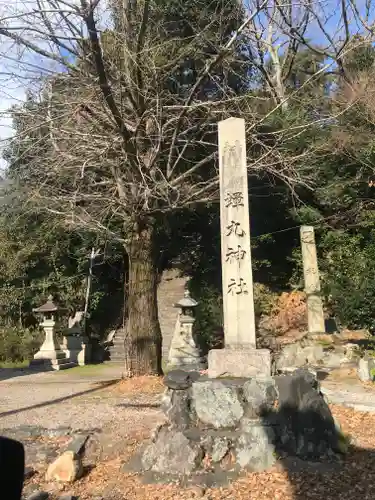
(351, 478)
(8, 373)
(98, 386)
(139, 405)
(315, 453)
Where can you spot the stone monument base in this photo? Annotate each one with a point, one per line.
(243, 362)
(52, 364)
(187, 364)
(219, 428)
(77, 349)
(51, 360)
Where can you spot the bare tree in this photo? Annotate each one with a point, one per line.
(125, 127)
(324, 30)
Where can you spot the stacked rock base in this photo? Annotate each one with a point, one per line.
(221, 427)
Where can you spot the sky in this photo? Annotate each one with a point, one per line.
(20, 69)
(11, 91)
(17, 77)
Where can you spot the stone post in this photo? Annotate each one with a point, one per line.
(77, 346)
(50, 353)
(240, 356)
(183, 353)
(315, 315)
(237, 277)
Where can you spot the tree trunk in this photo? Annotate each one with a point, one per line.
(143, 340)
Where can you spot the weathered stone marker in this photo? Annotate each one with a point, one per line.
(315, 315)
(184, 353)
(237, 276)
(240, 357)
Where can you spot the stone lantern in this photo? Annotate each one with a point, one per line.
(50, 353)
(184, 353)
(187, 306)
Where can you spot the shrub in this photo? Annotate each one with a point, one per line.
(348, 274)
(208, 326)
(19, 344)
(209, 316)
(289, 313)
(264, 300)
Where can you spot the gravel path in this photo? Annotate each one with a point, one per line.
(76, 400)
(86, 399)
(352, 395)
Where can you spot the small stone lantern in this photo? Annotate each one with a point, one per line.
(187, 305)
(183, 352)
(50, 352)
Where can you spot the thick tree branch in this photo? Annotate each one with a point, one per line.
(101, 72)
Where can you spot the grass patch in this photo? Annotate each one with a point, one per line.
(85, 370)
(326, 344)
(14, 364)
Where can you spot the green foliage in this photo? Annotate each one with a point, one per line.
(264, 300)
(208, 324)
(349, 277)
(342, 207)
(19, 344)
(38, 258)
(209, 317)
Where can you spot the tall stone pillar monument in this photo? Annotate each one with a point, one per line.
(315, 315)
(239, 357)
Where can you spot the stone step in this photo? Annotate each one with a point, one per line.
(55, 364)
(170, 290)
(119, 334)
(117, 352)
(117, 357)
(118, 342)
(64, 366)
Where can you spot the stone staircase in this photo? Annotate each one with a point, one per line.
(170, 290)
(116, 350)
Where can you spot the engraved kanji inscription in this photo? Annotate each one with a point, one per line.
(234, 228)
(311, 270)
(234, 200)
(232, 155)
(237, 287)
(235, 183)
(235, 255)
(307, 237)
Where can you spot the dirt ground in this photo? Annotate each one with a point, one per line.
(351, 478)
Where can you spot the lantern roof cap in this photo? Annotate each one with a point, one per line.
(48, 307)
(187, 301)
